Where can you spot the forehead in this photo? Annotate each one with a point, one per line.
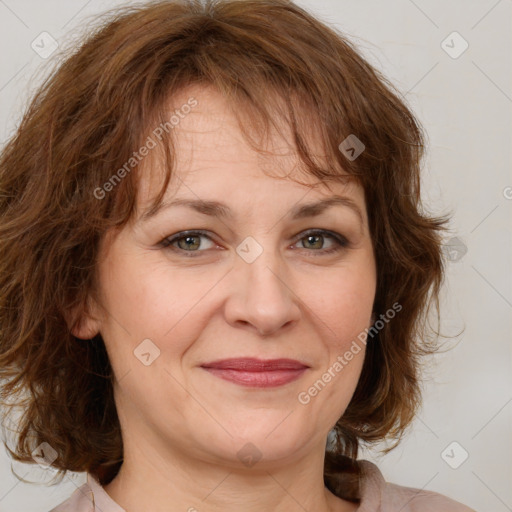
(211, 153)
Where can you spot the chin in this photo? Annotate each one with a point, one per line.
(257, 447)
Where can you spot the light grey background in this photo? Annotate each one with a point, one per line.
(465, 103)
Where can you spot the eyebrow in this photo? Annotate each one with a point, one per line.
(220, 210)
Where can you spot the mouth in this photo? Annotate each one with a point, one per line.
(253, 372)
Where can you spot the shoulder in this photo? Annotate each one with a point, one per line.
(417, 500)
(90, 497)
(379, 495)
(82, 500)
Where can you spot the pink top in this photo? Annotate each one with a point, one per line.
(377, 496)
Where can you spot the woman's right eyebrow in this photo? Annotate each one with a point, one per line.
(210, 208)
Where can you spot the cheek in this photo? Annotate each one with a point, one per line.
(343, 313)
(149, 302)
(344, 303)
(144, 299)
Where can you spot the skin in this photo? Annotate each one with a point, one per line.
(182, 427)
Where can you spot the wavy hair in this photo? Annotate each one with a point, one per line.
(272, 60)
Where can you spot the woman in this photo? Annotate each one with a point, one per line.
(215, 257)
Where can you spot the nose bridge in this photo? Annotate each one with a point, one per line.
(262, 270)
(261, 297)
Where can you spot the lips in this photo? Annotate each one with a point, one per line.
(257, 373)
(250, 364)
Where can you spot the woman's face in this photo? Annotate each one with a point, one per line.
(252, 284)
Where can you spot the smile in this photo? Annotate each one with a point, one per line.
(253, 372)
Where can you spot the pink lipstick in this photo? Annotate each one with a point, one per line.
(253, 372)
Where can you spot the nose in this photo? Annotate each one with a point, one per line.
(261, 296)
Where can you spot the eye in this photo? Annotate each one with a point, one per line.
(188, 241)
(190, 244)
(315, 238)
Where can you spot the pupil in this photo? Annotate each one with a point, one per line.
(311, 238)
(189, 241)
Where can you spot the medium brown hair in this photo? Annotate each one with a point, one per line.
(98, 107)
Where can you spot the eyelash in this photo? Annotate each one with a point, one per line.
(341, 242)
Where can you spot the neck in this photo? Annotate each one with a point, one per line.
(149, 481)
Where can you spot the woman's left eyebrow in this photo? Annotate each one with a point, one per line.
(318, 207)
